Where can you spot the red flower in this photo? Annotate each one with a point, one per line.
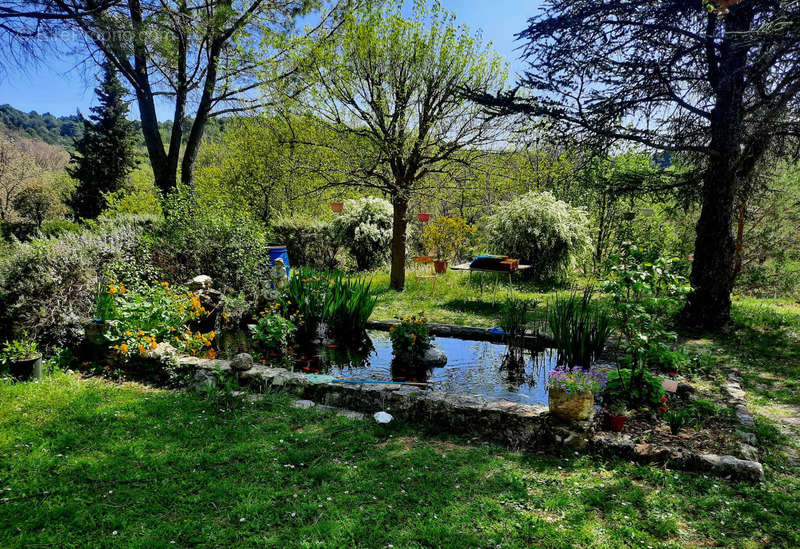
(662, 408)
(663, 399)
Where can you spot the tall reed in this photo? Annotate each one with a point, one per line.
(579, 328)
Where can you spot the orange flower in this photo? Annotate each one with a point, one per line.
(124, 348)
(112, 289)
(142, 350)
(153, 345)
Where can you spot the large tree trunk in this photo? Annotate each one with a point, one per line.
(397, 279)
(709, 304)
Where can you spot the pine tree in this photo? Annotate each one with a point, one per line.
(104, 155)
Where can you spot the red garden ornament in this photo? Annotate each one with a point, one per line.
(424, 217)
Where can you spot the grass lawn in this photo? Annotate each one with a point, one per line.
(85, 462)
(91, 463)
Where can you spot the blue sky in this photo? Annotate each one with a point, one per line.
(55, 86)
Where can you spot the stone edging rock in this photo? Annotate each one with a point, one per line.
(467, 332)
(518, 426)
(733, 389)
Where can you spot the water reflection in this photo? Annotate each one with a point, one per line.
(474, 367)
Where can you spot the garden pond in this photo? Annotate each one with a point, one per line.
(473, 367)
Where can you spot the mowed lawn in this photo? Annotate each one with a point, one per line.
(89, 463)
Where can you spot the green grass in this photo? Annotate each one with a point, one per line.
(93, 464)
(455, 300)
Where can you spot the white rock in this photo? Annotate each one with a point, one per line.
(304, 404)
(382, 417)
(201, 282)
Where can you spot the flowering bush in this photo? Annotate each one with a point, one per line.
(410, 337)
(576, 380)
(538, 229)
(140, 320)
(365, 228)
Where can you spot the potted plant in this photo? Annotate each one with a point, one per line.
(616, 413)
(571, 392)
(410, 338)
(23, 358)
(443, 237)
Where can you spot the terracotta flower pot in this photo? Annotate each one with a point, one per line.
(571, 407)
(26, 368)
(616, 423)
(337, 206)
(440, 265)
(424, 217)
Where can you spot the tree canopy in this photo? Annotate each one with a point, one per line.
(717, 83)
(385, 90)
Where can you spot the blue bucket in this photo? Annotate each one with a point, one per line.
(276, 252)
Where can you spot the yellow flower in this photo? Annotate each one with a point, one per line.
(153, 345)
(142, 350)
(140, 332)
(128, 333)
(112, 289)
(124, 348)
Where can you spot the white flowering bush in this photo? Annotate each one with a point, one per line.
(541, 231)
(365, 228)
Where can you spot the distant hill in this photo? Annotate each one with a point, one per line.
(62, 130)
(46, 127)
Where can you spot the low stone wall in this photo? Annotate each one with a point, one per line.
(518, 426)
(538, 339)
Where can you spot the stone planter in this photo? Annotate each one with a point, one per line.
(24, 369)
(571, 407)
(440, 266)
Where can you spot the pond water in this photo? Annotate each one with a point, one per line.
(473, 367)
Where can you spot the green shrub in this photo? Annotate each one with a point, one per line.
(228, 246)
(541, 231)
(48, 286)
(365, 228)
(58, 227)
(579, 328)
(274, 331)
(514, 318)
(621, 387)
(309, 242)
(410, 337)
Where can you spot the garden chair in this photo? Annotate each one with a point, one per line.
(424, 269)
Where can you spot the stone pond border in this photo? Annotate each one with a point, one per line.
(537, 339)
(517, 426)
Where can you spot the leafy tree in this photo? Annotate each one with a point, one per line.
(37, 203)
(17, 171)
(386, 91)
(104, 156)
(718, 85)
(205, 55)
